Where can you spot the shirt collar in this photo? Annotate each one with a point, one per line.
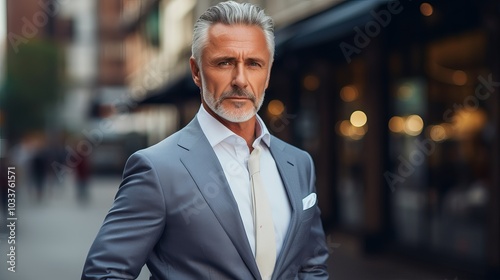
(216, 132)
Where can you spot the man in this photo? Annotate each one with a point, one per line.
(189, 207)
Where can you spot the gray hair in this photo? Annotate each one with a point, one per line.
(230, 13)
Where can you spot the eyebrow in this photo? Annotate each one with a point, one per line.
(232, 59)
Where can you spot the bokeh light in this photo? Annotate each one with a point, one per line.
(358, 118)
(459, 78)
(311, 82)
(426, 9)
(414, 125)
(397, 124)
(349, 93)
(275, 107)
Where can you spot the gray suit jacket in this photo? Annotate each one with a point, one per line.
(175, 212)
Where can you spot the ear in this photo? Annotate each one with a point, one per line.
(195, 71)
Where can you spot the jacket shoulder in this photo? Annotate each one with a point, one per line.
(175, 143)
(289, 148)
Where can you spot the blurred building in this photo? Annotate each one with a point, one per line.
(397, 101)
(30, 95)
(31, 89)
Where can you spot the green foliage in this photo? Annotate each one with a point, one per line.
(32, 87)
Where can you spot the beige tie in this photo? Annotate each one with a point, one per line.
(265, 243)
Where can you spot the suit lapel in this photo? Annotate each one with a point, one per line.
(205, 169)
(288, 171)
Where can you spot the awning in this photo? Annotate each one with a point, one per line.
(176, 91)
(326, 26)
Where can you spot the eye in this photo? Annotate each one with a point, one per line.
(224, 63)
(255, 64)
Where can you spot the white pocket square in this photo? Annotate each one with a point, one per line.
(309, 201)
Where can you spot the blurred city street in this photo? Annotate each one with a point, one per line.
(396, 102)
(54, 235)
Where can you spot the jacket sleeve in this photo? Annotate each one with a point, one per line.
(131, 228)
(314, 264)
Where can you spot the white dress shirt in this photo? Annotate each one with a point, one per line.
(233, 153)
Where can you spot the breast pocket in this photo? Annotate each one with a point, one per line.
(308, 206)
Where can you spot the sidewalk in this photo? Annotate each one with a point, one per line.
(348, 262)
(54, 236)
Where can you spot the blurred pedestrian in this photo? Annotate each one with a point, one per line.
(82, 174)
(39, 169)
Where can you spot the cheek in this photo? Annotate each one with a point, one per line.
(260, 84)
(216, 83)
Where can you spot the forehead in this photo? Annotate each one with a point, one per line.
(248, 38)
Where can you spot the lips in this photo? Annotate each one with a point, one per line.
(238, 94)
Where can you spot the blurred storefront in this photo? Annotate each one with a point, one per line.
(398, 103)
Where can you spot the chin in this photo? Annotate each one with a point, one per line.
(235, 116)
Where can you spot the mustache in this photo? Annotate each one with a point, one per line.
(237, 92)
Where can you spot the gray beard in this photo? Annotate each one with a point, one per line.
(236, 117)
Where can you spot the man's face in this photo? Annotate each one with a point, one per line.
(234, 71)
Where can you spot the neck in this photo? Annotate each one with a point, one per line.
(245, 130)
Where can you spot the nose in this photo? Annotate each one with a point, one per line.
(240, 76)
